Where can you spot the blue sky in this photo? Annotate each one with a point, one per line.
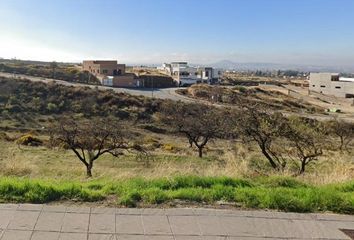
(317, 32)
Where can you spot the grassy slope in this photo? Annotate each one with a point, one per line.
(221, 159)
(271, 193)
(44, 163)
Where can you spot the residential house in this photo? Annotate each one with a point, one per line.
(110, 73)
(183, 74)
(332, 84)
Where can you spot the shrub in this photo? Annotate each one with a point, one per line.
(4, 136)
(169, 147)
(201, 93)
(240, 89)
(52, 107)
(29, 140)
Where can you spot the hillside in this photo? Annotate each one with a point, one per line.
(27, 104)
(62, 71)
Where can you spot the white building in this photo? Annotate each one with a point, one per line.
(332, 84)
(184, 74)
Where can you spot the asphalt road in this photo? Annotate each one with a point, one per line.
(162, 93)
(59, 222)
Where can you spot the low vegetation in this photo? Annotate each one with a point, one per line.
(61, 71)
(278, 193)
(28, 104)
(241, 95)
(254, 78)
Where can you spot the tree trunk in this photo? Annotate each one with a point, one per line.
(302, 168)
(190, 143)
(270, 159)
(200, 150)
(90, 163)
(89, 171)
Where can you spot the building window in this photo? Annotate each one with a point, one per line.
(104, 71)
(98, 71)
(338, 87)
(323, 86)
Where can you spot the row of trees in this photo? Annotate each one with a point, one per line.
(282, 140)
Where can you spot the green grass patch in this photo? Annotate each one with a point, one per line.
(280, 193)
(38, 191)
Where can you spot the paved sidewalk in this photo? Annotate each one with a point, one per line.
(44, 222)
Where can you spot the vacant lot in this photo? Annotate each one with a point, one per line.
(265, 97)
(233, 171)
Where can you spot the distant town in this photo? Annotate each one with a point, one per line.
(181, 74)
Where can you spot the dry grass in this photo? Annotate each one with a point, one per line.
(266, 97)
(173, 158)
(335, 167)
(41, 162)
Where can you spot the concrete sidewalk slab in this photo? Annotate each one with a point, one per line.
(44, 222)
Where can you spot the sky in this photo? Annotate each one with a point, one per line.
(316, 32)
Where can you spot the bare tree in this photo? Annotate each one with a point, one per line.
(307, 141)
(198, 122)
(343, 130)
(264, 128)
(89, 140)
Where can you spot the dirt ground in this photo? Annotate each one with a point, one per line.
(345, 105)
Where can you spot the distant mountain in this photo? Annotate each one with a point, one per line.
(238, 66)
(225, 64)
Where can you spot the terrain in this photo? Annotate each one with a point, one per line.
(286, 98)
(240, 95)
(232, 172)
